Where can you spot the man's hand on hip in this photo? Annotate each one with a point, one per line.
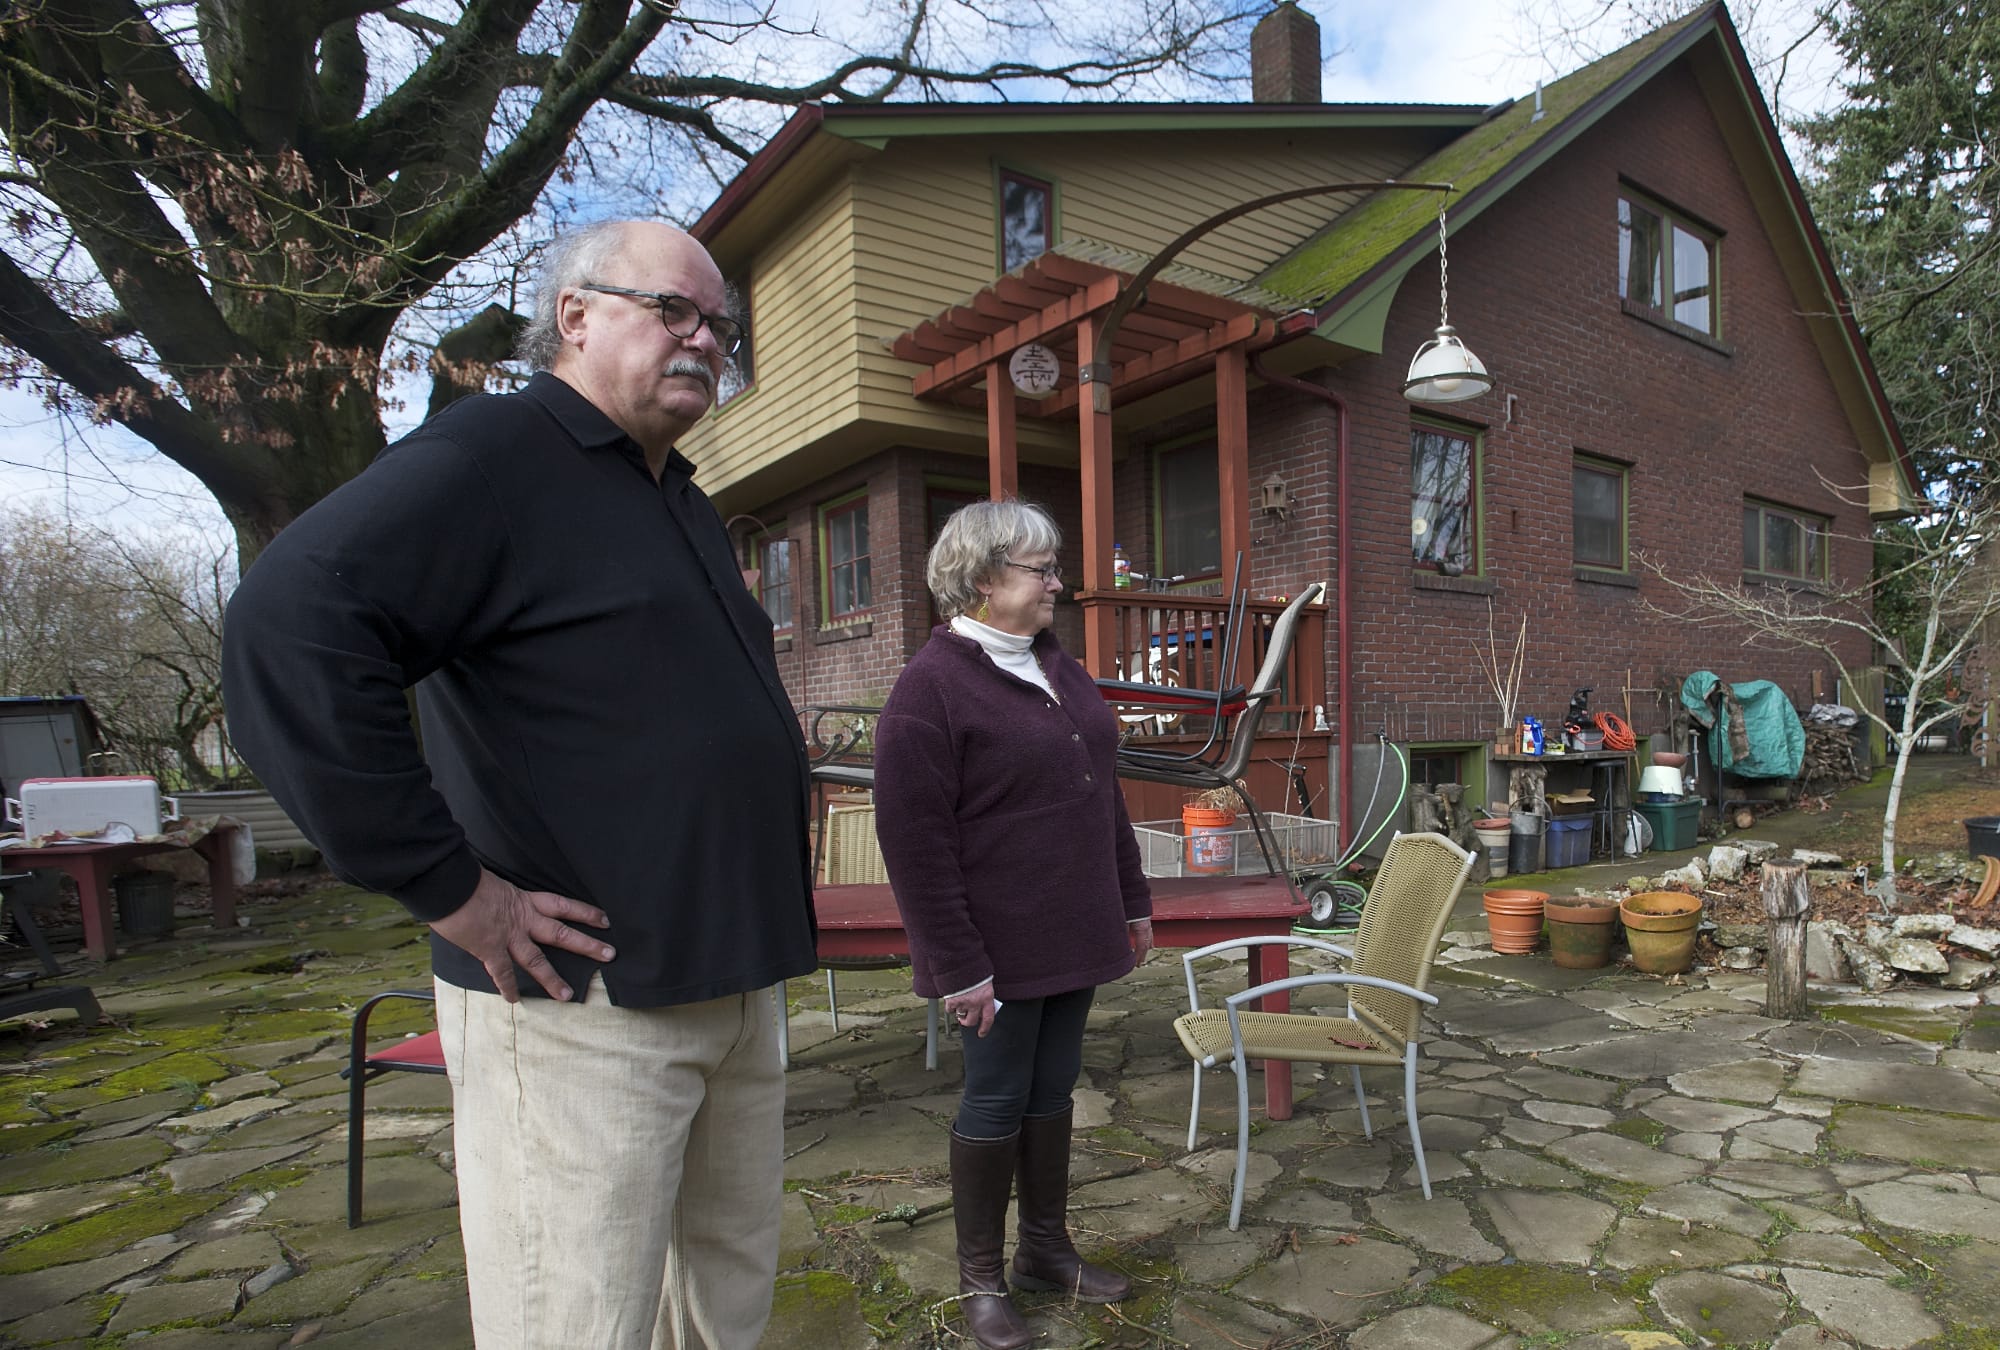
(505, 926)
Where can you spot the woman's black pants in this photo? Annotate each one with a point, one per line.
(1025, 1065)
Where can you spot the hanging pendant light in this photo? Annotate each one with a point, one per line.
(1444, 370)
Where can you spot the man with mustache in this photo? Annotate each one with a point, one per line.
(605, 828)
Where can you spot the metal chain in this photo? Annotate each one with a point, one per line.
(1444, 273)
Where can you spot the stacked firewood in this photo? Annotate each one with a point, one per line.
(1829, 759)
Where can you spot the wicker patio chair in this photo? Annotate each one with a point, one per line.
(1387, 971)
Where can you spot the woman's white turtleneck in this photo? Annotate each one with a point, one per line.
(1010, 651)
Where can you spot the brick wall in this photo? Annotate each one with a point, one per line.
(1534, 292)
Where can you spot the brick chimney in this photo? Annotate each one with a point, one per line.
(1284, 56)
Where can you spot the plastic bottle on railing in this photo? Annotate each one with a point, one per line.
(1121, 568)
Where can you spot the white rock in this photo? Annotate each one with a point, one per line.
(1824, 961)
(1964, 974)
(1812, 857)
(1742, 958)
(1922, 925)
(1694, 874)
(1757, 849)
(1726, 862)
(1985, 941)
(1915, 955)
(1870, 971)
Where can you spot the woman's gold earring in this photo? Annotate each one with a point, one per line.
(983, 611)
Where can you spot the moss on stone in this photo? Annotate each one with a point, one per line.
(170, 1071)
(107, 1231)
(1905, 1022)
(1644, 1129)
(812, 1297)
(1492, 1293)
(261, 1025)
(22, 1138)
(1121, 1140)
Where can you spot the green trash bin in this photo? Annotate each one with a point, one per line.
(145, 903)
(1676, 825)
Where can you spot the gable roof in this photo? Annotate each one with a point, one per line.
(1353, 267)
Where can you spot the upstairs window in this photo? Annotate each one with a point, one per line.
(739, 372)
(1781, 542)
(1666, 265)
(1444, 500)
(849, 584)
(1597, 512)
(1190, 512)
(1027, 218)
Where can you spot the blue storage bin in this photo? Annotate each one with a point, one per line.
(1569, 841)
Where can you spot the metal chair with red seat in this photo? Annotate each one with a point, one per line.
(413, 1054)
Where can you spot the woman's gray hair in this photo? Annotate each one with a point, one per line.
(570, 260)
(976, 542)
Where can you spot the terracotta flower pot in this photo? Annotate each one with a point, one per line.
(1514, 918)
(1672, 759)
(1660, 926)
(1581, 929)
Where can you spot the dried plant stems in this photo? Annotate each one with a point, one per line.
(1505, 681)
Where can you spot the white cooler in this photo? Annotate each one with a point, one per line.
(49, 806)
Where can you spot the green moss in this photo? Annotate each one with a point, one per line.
(163, 1074)
(1500, 1293)
(107, 1231)
(273, 1178)
(812, 1298)
(1966, 1338)
(24, 1137)
(262, 1025)
(1370, 232)
(1118, 1139)
(1645, 1130)
(1904, 1022)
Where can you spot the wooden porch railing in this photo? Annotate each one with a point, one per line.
(1175, 638)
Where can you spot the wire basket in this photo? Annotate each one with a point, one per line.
(1303, 843)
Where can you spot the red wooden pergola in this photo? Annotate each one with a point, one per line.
(1174, 334)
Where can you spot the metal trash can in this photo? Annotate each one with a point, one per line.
(145, 903)
(1524, 852)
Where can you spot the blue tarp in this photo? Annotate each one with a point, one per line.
(1776, 738)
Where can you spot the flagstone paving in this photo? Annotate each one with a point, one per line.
(1618, 1162)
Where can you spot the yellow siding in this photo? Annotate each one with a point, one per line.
(909, 231)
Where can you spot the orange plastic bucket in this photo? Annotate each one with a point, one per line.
(1210, 835)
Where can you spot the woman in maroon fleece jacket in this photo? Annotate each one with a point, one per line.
(1013, 861)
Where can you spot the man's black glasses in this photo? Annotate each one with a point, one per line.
(1048, 573)
(681, 316)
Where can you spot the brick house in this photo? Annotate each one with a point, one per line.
(1629, 252)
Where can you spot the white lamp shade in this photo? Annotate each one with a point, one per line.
(1660, 778)
(1444, 370)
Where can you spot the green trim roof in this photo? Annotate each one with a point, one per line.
(1369, 234)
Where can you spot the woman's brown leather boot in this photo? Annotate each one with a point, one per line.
(1046, 1258)
(981, 1173)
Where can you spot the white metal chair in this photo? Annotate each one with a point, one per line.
(1387, 971)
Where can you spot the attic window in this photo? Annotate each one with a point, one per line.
(1667, 266)
(1027, 210)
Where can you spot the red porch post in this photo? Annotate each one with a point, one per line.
(1232, 450)
(1003, 464)
(1093, 427)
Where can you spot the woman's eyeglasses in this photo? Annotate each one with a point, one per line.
(1049, 573)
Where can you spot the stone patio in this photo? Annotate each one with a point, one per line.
(1619, 1161)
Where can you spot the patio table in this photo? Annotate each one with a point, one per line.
(1187, 912)
(91, 866)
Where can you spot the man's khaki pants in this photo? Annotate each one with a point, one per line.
(620, 1170)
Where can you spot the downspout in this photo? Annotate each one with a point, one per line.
(1345, 830)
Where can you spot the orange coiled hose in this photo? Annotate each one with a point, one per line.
(1617, 735)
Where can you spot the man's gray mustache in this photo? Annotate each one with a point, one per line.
(684, 365)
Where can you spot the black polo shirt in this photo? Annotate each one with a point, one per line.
(600, 707)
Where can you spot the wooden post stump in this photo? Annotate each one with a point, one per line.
(1787, 902)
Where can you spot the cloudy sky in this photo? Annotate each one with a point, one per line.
(1391, 51)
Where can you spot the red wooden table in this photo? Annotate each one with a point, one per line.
(1187, 912)
(91, 866)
